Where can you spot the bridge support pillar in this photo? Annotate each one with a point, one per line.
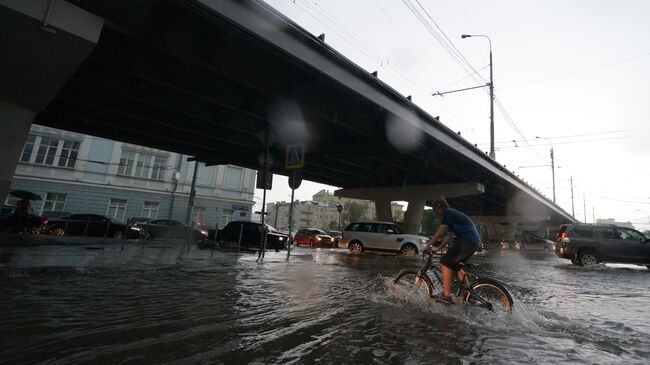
(413, 216)
(383, 211)
(43, 43)
(15, 121)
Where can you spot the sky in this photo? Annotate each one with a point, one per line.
(575, 73)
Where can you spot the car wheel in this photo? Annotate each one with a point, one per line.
(35, 230)
(118, 235)
(147, 236)
(58, 231)
(355, 247)
(409, 249)
(587, 258)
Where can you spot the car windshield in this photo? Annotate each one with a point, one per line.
(318, 231)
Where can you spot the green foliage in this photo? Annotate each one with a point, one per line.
(430, 222)
(355, 211)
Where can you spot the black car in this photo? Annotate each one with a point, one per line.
(588, 244)
(168, 228)
(91, 225)
(33, 223)
(251, 235)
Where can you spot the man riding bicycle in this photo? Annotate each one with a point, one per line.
(454, 224)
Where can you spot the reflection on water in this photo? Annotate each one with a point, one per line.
(321, 305)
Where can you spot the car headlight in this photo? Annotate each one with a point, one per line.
(281, 239)
(319, 238)
(423, 240)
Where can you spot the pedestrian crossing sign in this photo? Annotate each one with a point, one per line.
(295, 157)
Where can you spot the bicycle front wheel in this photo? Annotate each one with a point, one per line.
(489, 294)
(411, 285)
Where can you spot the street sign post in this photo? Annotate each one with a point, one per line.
(339, 208)
(294, 159)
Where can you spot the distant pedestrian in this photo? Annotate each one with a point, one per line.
(19, 218)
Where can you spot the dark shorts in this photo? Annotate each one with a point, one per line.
(459, 251)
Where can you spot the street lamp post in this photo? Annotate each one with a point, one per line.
(552, 164)
(492, 154)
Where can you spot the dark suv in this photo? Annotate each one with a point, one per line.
(588, 244)
(249, 234)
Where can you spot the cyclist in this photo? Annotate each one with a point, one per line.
(454, 224)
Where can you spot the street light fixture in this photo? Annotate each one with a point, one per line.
(492, 154)
(552, 163)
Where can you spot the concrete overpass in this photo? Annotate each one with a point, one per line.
(211, 78)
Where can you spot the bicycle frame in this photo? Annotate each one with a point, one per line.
(463, 288)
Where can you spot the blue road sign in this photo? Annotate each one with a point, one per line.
(295, 157)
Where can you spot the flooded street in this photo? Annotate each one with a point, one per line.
(191, 306)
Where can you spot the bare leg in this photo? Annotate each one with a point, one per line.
(461, 277)
(447, 277)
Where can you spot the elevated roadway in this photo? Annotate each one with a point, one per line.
(210, 78)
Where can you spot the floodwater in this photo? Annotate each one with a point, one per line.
(175, 305)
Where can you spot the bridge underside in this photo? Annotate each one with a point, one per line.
(179, 76)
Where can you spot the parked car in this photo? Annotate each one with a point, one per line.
(336, 235)
(381, 236)
(51, 214)
(532, 242)
(91, 225)
(588, 244)
(312, 237)
(167, 228)
(33, 224)
(251, 234)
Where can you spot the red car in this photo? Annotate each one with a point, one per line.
(312, 237)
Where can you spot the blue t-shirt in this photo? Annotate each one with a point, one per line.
(460, 225)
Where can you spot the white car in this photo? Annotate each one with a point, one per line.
(381, 236)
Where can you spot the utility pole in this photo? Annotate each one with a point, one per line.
(593, 214)
(573, 209)
(553, 172)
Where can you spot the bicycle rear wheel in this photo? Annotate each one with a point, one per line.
(489, 294)
(410, 285)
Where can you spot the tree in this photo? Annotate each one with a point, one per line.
(333, 225)
(355, 211)
(430, 222)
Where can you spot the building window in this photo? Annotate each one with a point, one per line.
(54, 201)
(158, 170)
(150, 210)
(198, 215)
(47, 151)
(26, 156)
(69, 154)
(233, 177)
(116, 209)
(126, 163)
(50, 151)
(147, 166)
(226, 217)
(143, 164)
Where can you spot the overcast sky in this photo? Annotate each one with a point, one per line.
(574, 72)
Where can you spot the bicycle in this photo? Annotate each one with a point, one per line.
(481, 292)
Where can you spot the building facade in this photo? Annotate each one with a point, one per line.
(322, 212)
(78, 173)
